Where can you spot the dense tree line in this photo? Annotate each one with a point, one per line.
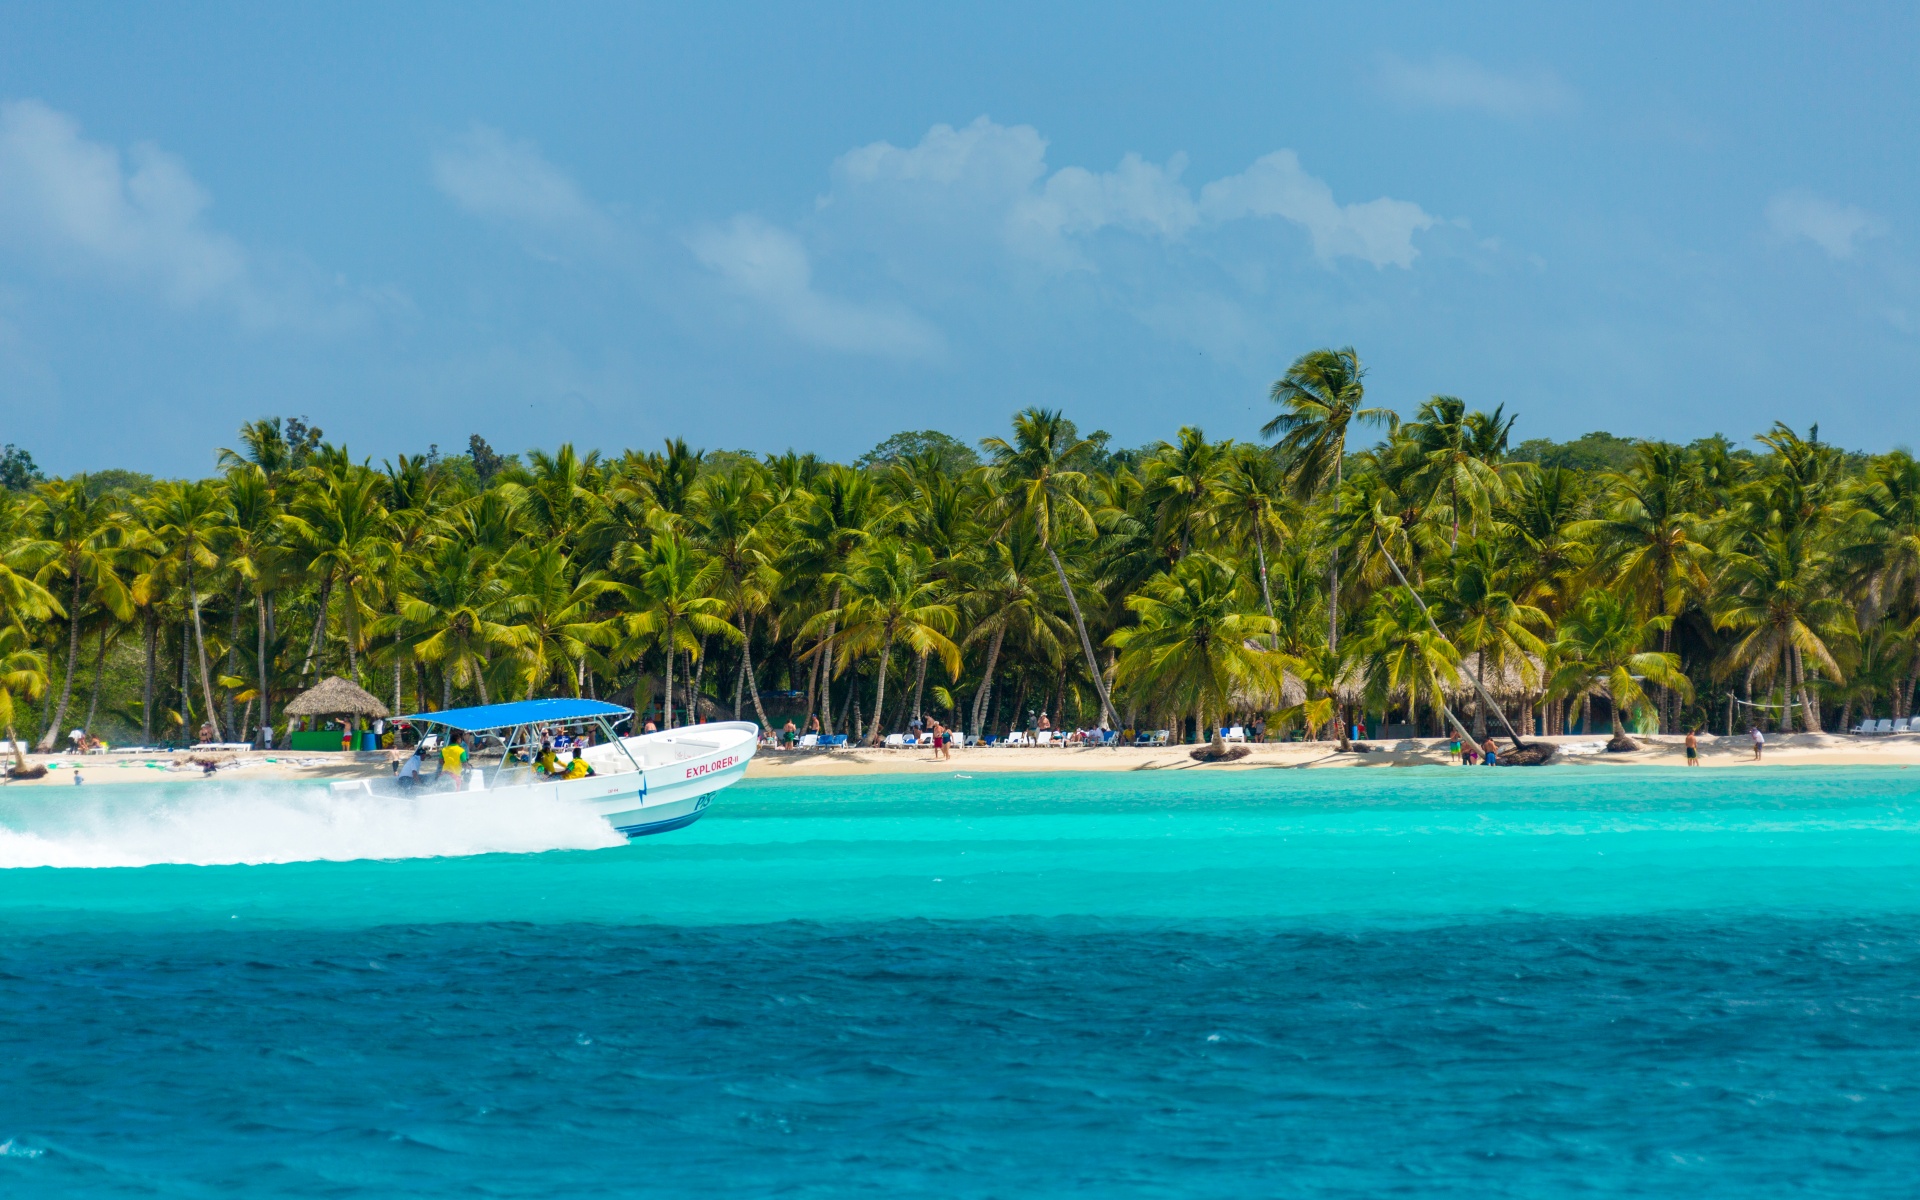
(1178, 585)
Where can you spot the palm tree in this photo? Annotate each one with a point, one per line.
(674, 607)
(1405, 655)
(729, 523)
(78, 535)
(1601, 646)
(1034, 486)
(550, 611)
(839, 512)
(1006, 589)
(1180, 480)
(894, 600)
(1650, 542)
(1449, 450)
(189, 520)
(1249, 492)
(1488, 621)
(23, 672)
(1321, 395)
(1194, 643)
(451, 618)
(1780, 600)
(338, 529)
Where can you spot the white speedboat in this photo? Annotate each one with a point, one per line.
(649, 783)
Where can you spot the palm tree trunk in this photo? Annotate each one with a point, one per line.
(200, 648)
(150, 617)
(1266, 593)
(233, 648)
(740, 680)
(1086, 643)
(826, 666)
(982, 696)
(813, 681)
(319, 625)
(261, 665)
(919, 685)
(880, 688)
(666, 714)
(1333, 568)
(694, 685)
(1586, 712)
(1479, 706)
(99, 669)
(753, 685)
(73, 654)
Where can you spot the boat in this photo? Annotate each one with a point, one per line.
(641, 784)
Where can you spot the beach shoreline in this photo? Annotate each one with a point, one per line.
(1662, 750)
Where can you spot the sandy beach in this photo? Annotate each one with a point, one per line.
(1783, 750)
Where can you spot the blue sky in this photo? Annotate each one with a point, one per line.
(772, 226)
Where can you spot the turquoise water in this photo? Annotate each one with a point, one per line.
(1434, 982)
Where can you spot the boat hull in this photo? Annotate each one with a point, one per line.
(681, 769)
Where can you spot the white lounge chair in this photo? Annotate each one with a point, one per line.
(897, 739)
(1161, 737)
(956, 738)
(1865, 726)
(1885, 726)
(1234, 733)
(1899, 726)
(1043, 738)
(809, 739)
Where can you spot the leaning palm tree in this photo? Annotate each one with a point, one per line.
(1195, 643)
(1601, 647)
(1487, 621)
(1034, 485)
(1321, 395)
(1405, 656)
(1008, 589)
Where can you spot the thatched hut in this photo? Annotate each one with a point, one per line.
(333, 697)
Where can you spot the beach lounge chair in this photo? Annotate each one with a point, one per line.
(1044, 738)
(1899, 726)
(809, 740)
(957, 739)
(1887, 726)
(838, 739)
(1865, 726)
(1234, 733)
(896, 740)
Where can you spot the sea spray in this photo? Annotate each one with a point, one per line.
(214, 824)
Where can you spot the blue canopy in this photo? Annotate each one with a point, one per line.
(518, 712)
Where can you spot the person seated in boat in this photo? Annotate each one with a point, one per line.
(453, 759)
(579, 768)
(410, 771)
(547, 763)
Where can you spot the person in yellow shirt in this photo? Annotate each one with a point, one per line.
(547, 763)
(579, 768)
(453, 758)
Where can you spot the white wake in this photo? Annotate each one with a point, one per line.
(136, 826)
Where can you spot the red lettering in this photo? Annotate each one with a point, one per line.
(710, 768)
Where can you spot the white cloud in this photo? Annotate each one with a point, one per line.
(1377, 231)
(1449, 81)
(1833, 227)
(75, 203)
(82, 208)
(999, 173)
(493, 176)
(770, 267)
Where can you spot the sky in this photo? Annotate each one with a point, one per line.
(769, 226)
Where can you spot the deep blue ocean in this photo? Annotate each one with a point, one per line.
(1432, 982)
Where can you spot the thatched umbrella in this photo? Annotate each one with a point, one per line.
(336, 697)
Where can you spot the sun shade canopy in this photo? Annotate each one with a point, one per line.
(519, 712)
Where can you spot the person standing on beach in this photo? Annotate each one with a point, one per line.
(1693, 749)
(1759, 740)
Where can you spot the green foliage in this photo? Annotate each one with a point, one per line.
(1590, 452)
(948, 454)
